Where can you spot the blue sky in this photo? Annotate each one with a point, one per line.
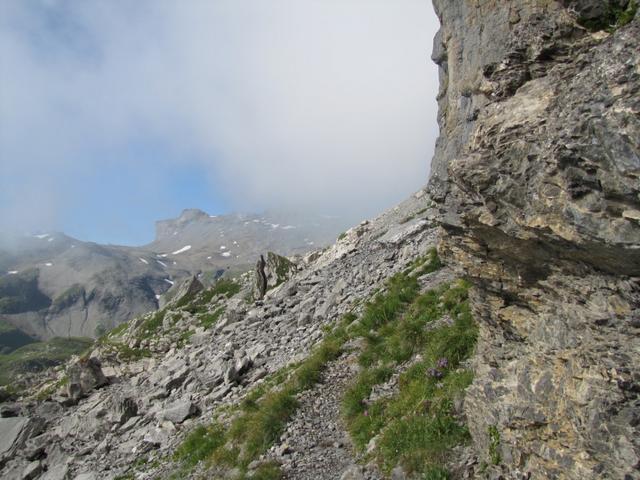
(117, 113)
(148, 184)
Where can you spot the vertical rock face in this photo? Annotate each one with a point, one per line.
(537, 175)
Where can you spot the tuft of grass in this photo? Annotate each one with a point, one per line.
(417, 426)
(256, 431)
(208, 320)
(51, 389)
(342, 236)
(200, 444)
(116, 332)
(436, 473)
(494, 445)
(152, 324)
(225, 287)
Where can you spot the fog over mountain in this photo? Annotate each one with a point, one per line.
(106, 106)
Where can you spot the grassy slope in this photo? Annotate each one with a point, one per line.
(40, 355)
(417, 426)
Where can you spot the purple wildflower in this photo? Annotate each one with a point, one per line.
(442, 363)
(435, 373)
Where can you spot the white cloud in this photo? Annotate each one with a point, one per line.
(289, 103)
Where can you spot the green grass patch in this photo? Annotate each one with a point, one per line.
(200, 444)
(200, 303)
(417, 426)
(119, 330)
(225, 287)
(267, 471)
(151, 325)
(111, 342)
(208, 320)
(494, 445)
(38, 356)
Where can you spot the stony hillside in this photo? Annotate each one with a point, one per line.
(53, 285)
(219, 372)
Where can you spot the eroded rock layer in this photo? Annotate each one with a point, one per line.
(537, 175)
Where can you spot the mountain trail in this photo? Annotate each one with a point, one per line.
(315, 445)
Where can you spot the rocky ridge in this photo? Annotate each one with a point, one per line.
(537, 178)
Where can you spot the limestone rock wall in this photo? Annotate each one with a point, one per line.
(537, 178)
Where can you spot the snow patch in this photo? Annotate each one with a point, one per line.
(226, 254)
(288, 227)
(168, 281)
(162, 263)
(51, 240)
(12, 272)
(208, 258)
(42, 236)
(183, 249)
(49, 264)
(157, 297)
(143, 261)
(222, 247)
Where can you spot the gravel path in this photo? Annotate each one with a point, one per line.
(315, 445)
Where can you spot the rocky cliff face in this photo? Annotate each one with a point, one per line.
(537, 178)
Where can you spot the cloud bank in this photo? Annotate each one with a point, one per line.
(326, 105)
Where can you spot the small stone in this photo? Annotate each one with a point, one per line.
(180, 411)
(398, 473)
(353, 472)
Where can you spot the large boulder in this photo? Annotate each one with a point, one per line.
(14, 433)
(84, 375)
